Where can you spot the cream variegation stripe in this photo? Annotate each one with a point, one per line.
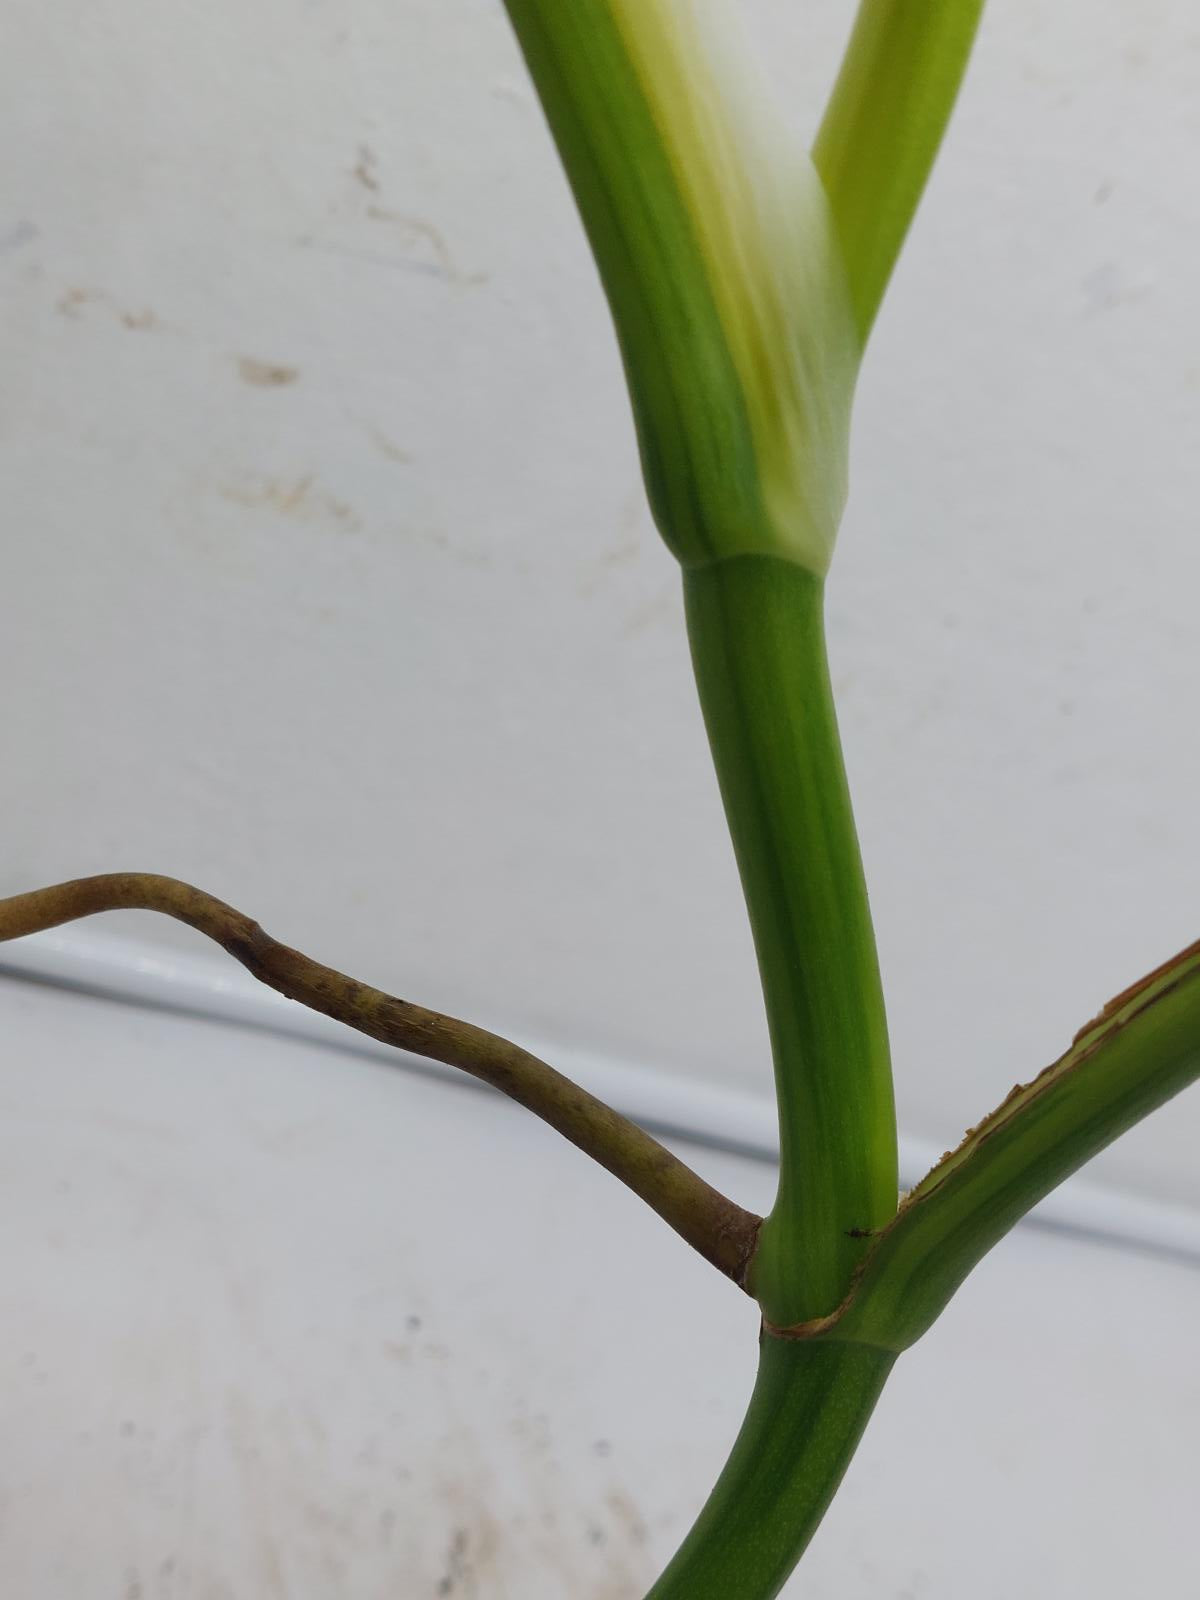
(768, 249)
(718, 252)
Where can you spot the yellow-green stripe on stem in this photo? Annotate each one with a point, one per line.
(719, 256)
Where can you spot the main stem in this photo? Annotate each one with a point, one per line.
(810, 1405)
(758, 646)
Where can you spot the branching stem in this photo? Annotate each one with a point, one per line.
(720, 1230)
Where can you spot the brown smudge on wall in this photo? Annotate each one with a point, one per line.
(265, 374)
(364, 168)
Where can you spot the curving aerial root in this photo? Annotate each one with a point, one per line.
(720, 1230)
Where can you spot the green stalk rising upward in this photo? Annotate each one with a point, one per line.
(758, 646)
(743, 276)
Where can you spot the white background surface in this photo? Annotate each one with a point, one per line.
(327, 582)
(276, 1321)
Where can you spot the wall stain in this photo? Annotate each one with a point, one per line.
(301, 497)
(72, 302)
(384, 445)
(627, 1516)
(364, 168)
(380, 258)
(425, 246)
(265, 374)
(457, 1568)
(418, 235)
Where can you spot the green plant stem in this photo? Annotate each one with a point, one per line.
(756, 630)
(883, 125)
(697, 454)
(1143, 1048)
(810, 1405)
(715, 1226)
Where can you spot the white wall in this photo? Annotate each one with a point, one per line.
(327, 582)
(276, 1324)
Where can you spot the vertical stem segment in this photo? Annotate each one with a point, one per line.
(883, 126)
(810, 1405)
(757, 636)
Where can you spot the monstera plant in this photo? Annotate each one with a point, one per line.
(744, 273)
